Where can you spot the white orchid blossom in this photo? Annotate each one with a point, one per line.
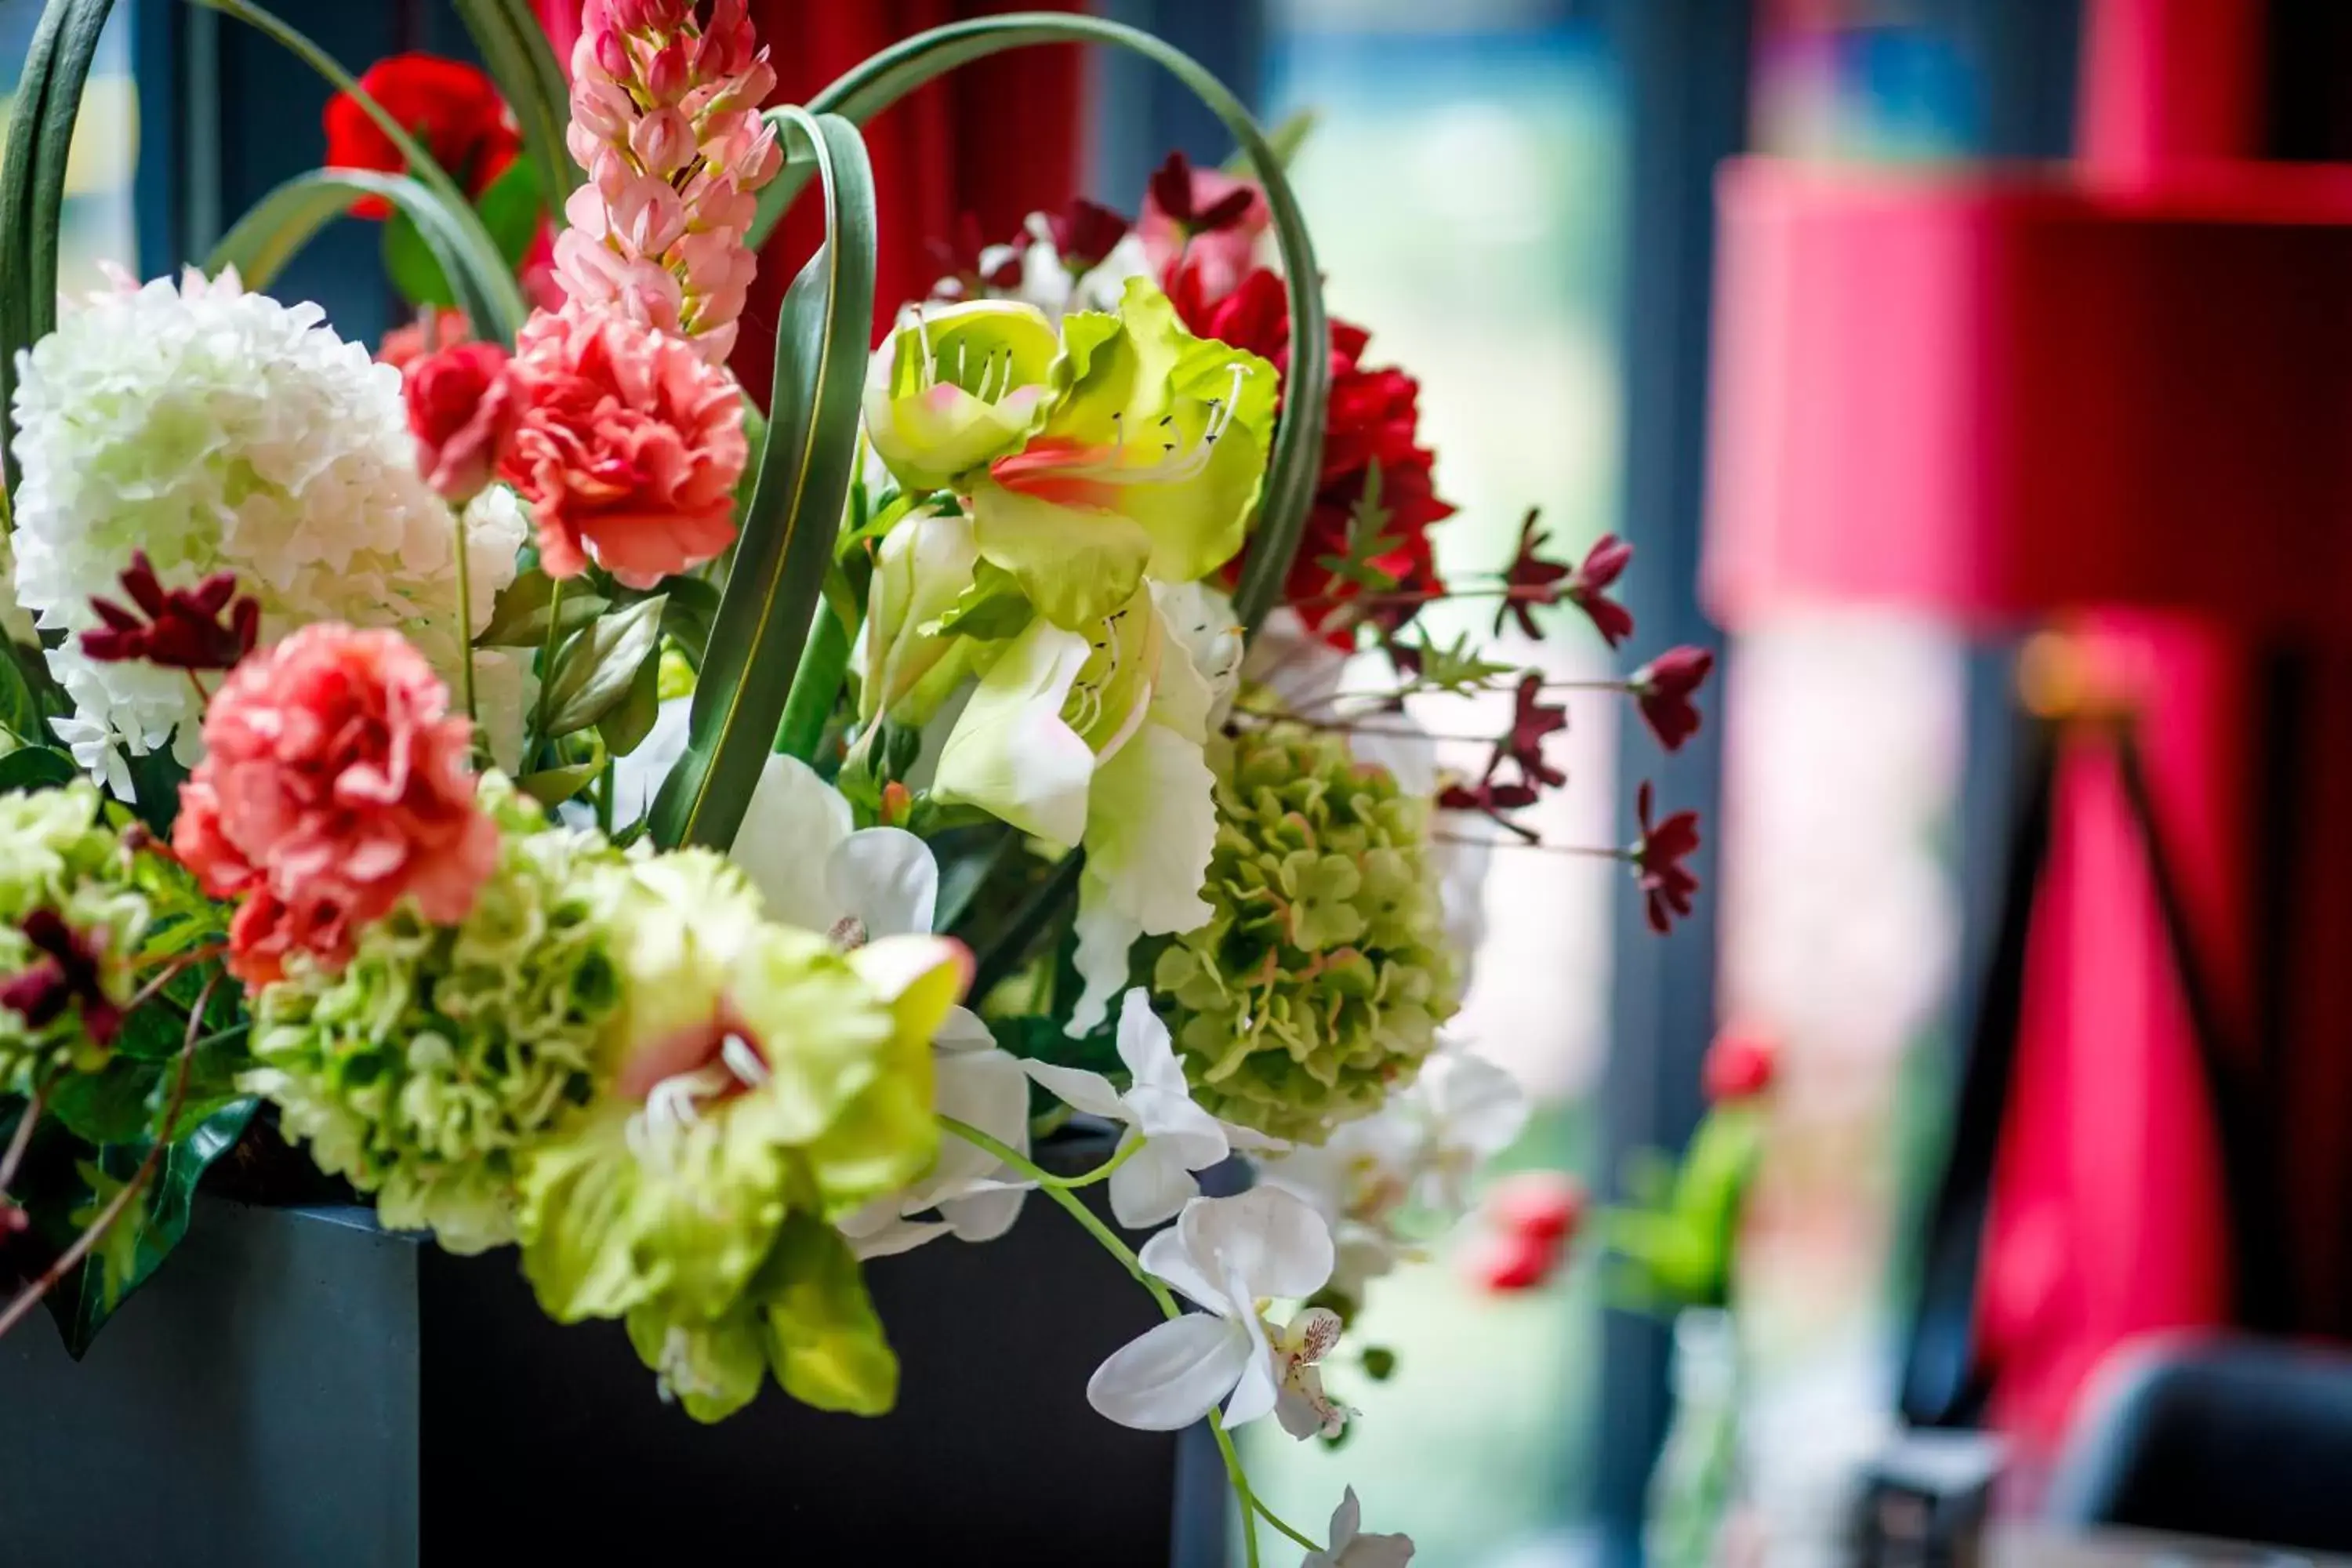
(1226, 1255)
(1302, 1406)
(1175, 1136)
(1421, 1150)
(814, 870)
(1350, 1548)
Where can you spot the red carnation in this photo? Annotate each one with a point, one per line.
(1667, 885)
(182, 629)
(462, 410)
(450, 107)
(1663, 687)
(1739, 1065)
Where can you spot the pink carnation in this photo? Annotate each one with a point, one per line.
(629, 445)
(335, 784)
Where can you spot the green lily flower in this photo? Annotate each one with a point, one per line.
(1148, 464)
(957, 385)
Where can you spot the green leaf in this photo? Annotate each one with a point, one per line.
(33, 186)
(515, 48)
(872, 86)
(693, 606)
(410, 265)
(156, 776)
(510, 210)
(36, 767)
(113, 1104)
(805, 474)
(279, 225)
(594, 669)
(552, 787)
(631, 720)
(519, 619)
(20, 711)
(153, 1225)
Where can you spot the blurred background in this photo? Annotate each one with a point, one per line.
(1904, 390)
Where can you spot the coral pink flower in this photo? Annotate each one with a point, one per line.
(461, 409)
(665, 119)
(629, 445)
(335, 784)
(1740, 1065)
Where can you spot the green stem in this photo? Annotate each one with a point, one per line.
(466, 618)
(547, 659)
(605, 799)
(1099, 1173)
(1058, 1189)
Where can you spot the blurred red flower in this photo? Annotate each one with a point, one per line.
(182, 629)
(462, 410)
(1667, 885)
(450, 107)
(65, 975)
(1663, 687)
(1543, 1206)
(1740, 1065)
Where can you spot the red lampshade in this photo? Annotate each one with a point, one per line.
(1997, 394)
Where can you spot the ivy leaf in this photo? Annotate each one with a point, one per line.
(518, 619)
(36, 767)
(1457, 668)
(594, 669)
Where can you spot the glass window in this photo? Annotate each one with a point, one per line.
(98, 225)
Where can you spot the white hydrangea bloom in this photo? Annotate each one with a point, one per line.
(224, 431)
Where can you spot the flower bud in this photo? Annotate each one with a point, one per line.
(462, 411)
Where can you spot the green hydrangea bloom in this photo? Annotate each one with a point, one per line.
(424, 1068)
(1319, 984)
(765, 1083)
(58, 852)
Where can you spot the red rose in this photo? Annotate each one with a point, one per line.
(462, 411)
(447, 105)
(1374, 420)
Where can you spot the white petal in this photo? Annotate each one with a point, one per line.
(1105, 939)
(1346, 1520)
(1151, 823)
(790, 830)
(1144, 1044)
(1079, 1089)
(1171, 1376)
(1163, 1258)
(1202, 661)
(1180, 1130)
(894, 964)
(1256, 1391)
(962, 1032)
(1152, 1187)
(1274, 1243)
(1011, 754)
(900, 1236)
(983, 1215)
(1479, 1106)
(887, 879)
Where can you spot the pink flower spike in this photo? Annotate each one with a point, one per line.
(335, 784)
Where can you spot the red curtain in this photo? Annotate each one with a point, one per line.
(998, 139)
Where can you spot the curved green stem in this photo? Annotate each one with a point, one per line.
(1059, 1189)
(1099, 1173)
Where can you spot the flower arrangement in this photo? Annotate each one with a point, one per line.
(701, 846)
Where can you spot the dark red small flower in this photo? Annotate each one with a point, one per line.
(963, 259)
(1663, 687)
(13, 1222)
(1740, 1065)
(1587, 588)
(1542, 1205)
(182, 629)
(66, 974)
(1667, 885)
(1530, 580)
(450, 107)
(1532, 719)
(1487, 796)
(1084, 232)
(1173, 190)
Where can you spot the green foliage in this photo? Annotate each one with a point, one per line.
(36, 767)
(805, 473)
(510, 210)
(516, 49)
(596, 671)
(519, 617)
(1672, 1245)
